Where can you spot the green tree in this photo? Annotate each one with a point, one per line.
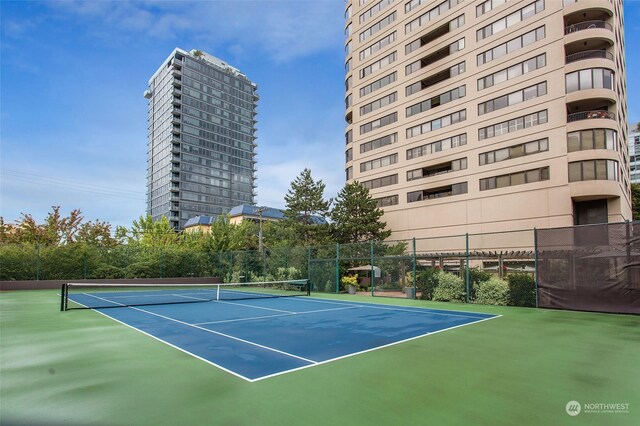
(304, 201)
(356, 216)
(148, 232)
(225, 236)
(635, 200)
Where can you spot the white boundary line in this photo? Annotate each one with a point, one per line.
(412, 309)
(313, 363)
(371, 349)
(275, 316)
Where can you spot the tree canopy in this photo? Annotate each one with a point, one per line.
(304, 200)
(356, 216)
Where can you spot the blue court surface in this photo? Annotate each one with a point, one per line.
(259, 338)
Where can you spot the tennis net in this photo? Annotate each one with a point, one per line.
(99, 295)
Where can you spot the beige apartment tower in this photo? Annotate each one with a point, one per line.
(481, 116)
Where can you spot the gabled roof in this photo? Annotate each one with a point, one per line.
(198, 220)
(267, 213)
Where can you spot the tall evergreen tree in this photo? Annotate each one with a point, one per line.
(304, 200)
(356, 216)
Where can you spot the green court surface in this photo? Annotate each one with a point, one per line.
(81, 368)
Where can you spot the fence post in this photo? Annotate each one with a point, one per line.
(466, 268)
(84, 266)
(414, 269)
(161, 262)
(37, 262)
(373, 275)
(535, 259)
(337, 268)
(309, 268)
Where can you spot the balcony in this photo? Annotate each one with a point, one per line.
(588, 54)
(590, 115)
(587, 25)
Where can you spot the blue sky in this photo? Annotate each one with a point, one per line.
(73, 118)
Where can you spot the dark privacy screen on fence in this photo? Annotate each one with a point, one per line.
(590, 268)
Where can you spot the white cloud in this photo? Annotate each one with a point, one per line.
(283, 29)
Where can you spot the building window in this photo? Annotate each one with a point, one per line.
(378, 84)
(488, 6)
(510, 20)
(348, 101)
(436, 124)
(349, 173)
(378, 65)
(379, 103)
(513, 125)
(435, 79)
(380, 182)
(378, 163)
(349, 155)
(514, 151)
(347, 65)
(443, 191)
(378, 143)
(434, 57)
(434, 34)
(379, 45)
(513, 98)
(512, 72)
(593, 170)
(348, 137)
(517, 178)
(592, 78)
(378, 26)
(511, 46)
(441, 145)
(380, 122)
(347, 83)
(374, 10)
(592, 139)
(436, 101)
(430, 15)
(390, 200)
(438, 169)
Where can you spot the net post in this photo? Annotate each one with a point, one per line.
(466, 268)
(308, 284)
(337, 268)
(415, 280)
(535, 259)
(63, 295)
(218, 292)
(372, 280)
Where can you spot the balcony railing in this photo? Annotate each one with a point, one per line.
(587, 25)
(588, 54)
(587, 115)
(570, 2)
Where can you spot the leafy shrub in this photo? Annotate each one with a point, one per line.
(426, 282)
(522, 289)
(477, 276)
(143, 270)
(492, 292)
(108, 272)
(348, 280)
(450, 288)
(289, 273)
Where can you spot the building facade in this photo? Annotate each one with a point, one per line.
(634, 153)
(201, 138)
(481, 116)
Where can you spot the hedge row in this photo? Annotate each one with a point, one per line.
(518, 290)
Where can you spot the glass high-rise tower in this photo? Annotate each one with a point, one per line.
(201, 157)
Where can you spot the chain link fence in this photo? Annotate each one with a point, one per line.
(550, 268)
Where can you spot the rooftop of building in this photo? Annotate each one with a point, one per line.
(251, 212)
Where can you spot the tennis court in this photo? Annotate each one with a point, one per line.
(254, 333)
